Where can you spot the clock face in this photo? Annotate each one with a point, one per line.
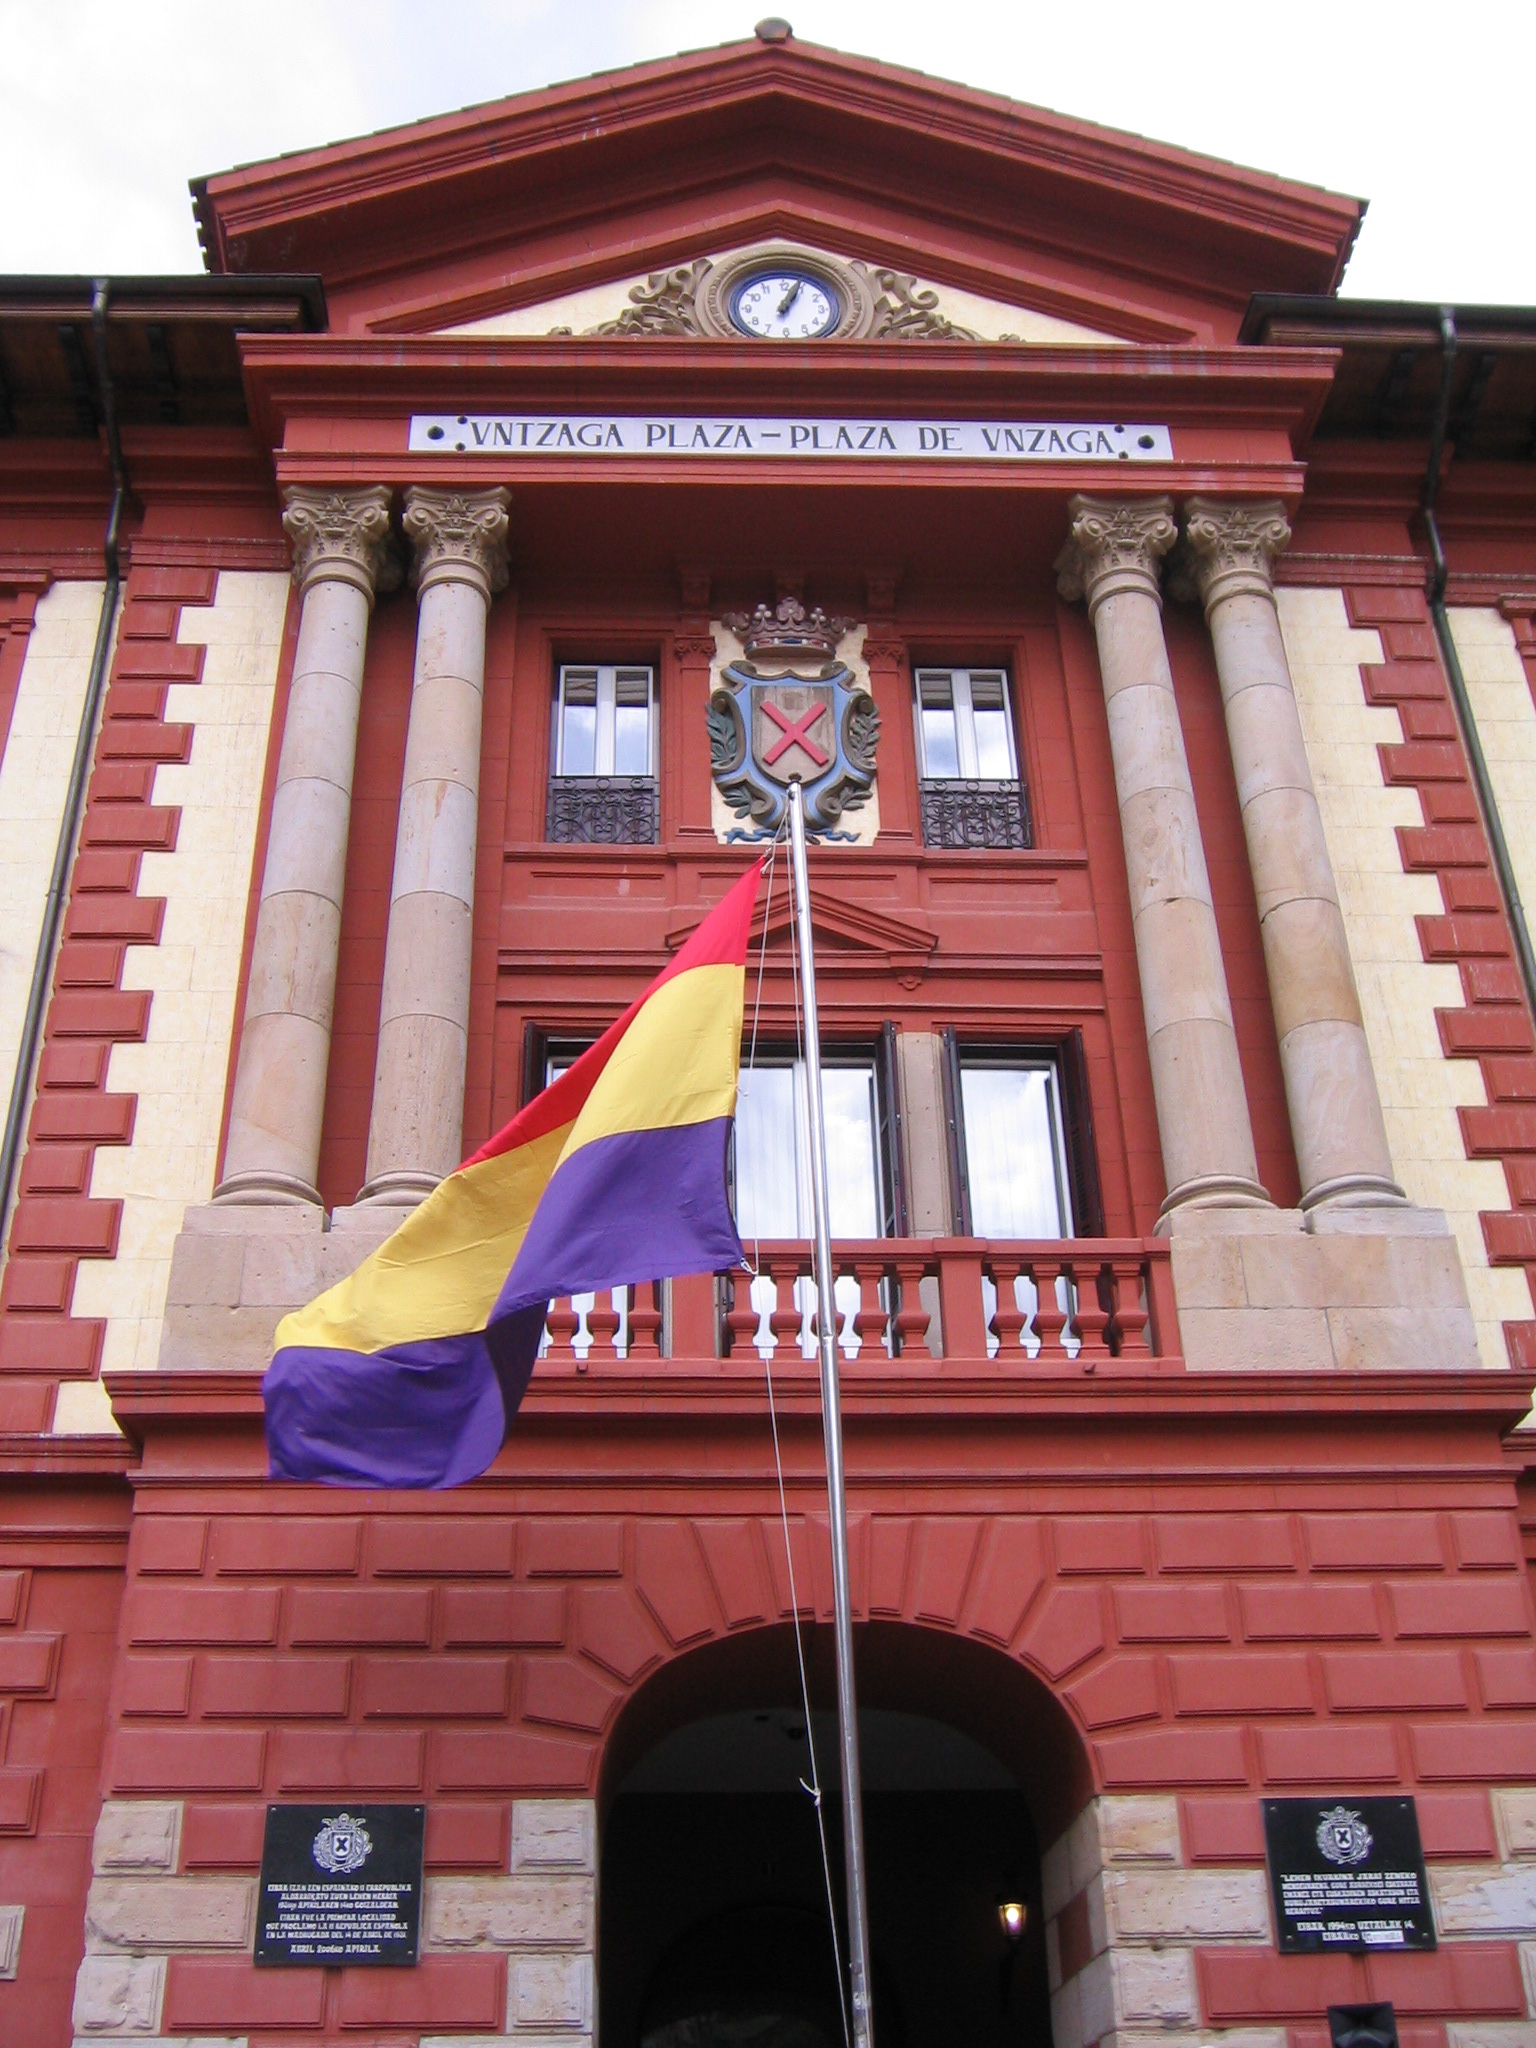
(785, 305)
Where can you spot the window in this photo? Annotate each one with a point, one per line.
(605, 725)
(971, 795)
(1014, 1180)
(603, 788)
(771, 1168)
(1023, 1159)
(773, 1150)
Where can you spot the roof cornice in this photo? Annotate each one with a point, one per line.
(322, 207)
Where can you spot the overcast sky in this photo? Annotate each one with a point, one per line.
(109, 109)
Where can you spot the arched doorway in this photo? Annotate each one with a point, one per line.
(714, 1928)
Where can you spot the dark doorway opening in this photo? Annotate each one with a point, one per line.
(713, 1900)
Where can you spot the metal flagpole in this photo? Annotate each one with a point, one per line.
(832, 1427)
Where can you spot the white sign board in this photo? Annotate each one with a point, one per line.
(1013, 441)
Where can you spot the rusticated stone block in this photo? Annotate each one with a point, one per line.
(119, 1994)
(196, 1338)
(523, 2040)
(1187, 1905)
(547, 1993)
(1139, 1830)
(1476, 1900)
(169, 1913)
(554, 1834)
(11, 1918)
(510, 1912)
(1155, 1985)
(205, 1270)
(137, 1834)
(1514, 1813)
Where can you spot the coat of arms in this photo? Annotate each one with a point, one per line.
(1343, 1836)
(342, 1845)
(770, 725)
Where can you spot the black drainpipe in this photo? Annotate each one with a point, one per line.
(79, 774)
(1492, 822)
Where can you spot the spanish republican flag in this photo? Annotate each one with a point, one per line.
(409, 1372)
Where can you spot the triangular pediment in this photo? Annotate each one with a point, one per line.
(550, 209)
(848, 934)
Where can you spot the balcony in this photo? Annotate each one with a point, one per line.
(1027, 1307)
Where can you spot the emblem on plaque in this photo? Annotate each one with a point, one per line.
(342, 1845)
(1343, 1837)
(771, 725)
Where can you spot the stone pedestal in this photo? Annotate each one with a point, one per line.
(1202, 1109)
(415, 1133)
(1336, 1120)
(340, 558)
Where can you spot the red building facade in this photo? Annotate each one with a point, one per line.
(444, 504)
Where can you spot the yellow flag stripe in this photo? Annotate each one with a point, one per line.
(676, 1064)
(441, 1271)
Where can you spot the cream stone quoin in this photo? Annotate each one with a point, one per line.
(341, 557)
(460, 543)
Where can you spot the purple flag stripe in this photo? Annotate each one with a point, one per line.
(432, 1413)
(626, 1208)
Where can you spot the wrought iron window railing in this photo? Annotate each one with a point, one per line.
(972, 814)
(603, 810)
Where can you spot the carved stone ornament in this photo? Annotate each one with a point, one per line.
(873, 305)
(457, 536)
(342, 536)
(787, 629)
(664, 304)
(1230, 550)
(1114, 546)
(768, 730)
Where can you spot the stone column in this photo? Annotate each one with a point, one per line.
(340, 541)
(1112, 560)
(414, 1136)
(1336, 1120)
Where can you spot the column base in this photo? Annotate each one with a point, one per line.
(262, 1190)
(1211, 1191)
(1355, 1191)
(403, 1189)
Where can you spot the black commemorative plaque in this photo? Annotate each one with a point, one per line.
(1347, 1873)
(340, 1884)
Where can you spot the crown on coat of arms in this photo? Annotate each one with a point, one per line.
(787, 628)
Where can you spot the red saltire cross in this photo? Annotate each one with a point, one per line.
(796, 732)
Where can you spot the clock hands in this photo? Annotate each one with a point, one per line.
(790, 297)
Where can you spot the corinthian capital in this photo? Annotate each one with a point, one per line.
(341, 536)
(458, 537)
(1232, 548)
(1115, 545)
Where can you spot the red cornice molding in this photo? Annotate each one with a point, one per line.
(889, 1399)
(336, 407)
(373, 202)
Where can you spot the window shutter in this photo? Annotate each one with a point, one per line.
(533, 1063)
(893, 1160)
(955, 1133)
(1082, 1154)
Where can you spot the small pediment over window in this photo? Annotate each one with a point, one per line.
(850, 935)
(836, 298)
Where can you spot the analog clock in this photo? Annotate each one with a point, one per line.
(785, 304)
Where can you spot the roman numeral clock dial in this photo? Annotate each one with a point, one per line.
(784, 305)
